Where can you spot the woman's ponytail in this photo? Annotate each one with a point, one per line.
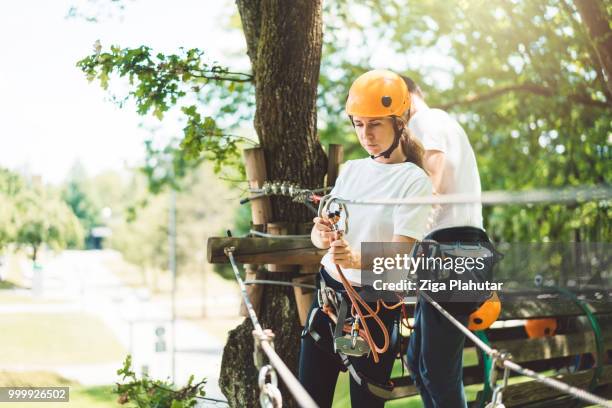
(413, 149)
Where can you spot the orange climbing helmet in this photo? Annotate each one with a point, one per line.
(378, 93)
(540, 327)
(486, 314)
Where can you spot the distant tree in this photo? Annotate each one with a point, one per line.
(7, 221)
(11, 184)
(77, 194)
(46, 220)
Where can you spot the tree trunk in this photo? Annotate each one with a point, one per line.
(594, 15)
(284, 41)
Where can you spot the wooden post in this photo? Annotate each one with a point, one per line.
(335, 158)
(281, 228)
(304, 297)
(261, 212)
(255, 166)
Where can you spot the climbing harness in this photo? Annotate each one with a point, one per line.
(349, 313)
(358, 335)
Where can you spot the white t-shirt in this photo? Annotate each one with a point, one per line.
(437, 130)
(367, 178)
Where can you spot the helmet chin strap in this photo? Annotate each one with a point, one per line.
(396, 139)
(387, 153)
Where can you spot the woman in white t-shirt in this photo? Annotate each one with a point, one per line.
(376, 102)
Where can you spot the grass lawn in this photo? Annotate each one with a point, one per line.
(342, 398)
(80, 396)
(10, 296)
(72, 338)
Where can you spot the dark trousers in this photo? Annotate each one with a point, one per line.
(435, 358)
(319, 366)
(435, 350)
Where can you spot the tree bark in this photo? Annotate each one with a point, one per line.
(594, 15)
(284, 40)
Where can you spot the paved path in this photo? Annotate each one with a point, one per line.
(81, 282)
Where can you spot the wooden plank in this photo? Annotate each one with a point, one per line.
(567, 401)
(264, 250)
(532, 391)
(561, 345)
(521, 305)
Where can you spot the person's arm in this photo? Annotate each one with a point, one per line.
(434, 161)
(343, 255)
(403, 238)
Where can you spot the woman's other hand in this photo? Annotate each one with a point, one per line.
(343, 255)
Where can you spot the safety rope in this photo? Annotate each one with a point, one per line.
(265, 235)
(561, 195)
(269, 393)
(566, 195)
(286, 189)
(503, 360)
(357, 302)
(279, 283)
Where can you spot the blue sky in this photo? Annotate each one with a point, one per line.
(51, 116)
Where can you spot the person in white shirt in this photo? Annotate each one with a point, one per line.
(435, 350)
(449, 160)
(375, 105)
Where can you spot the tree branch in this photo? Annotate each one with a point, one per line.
(527, 88)
(573, 15)
(593, 14)
(249, 78)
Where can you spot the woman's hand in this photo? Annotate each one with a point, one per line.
(343, 255)
(322, 234)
